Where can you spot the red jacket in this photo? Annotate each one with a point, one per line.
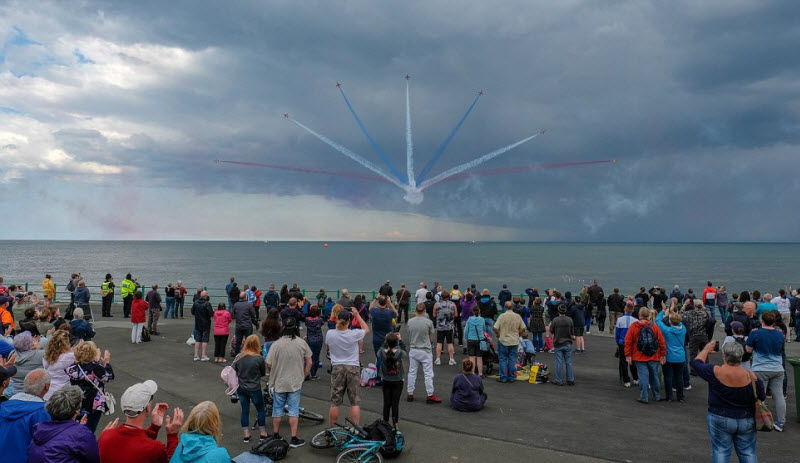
(138, 311)
(711, 290)
(125, 444)
(632, 341)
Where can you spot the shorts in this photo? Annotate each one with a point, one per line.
(577, 330)
(473, 348)
(345, 378)
(442, 336)
(283, 400)
(202, 336)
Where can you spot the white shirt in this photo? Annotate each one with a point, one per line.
(783, 303)
(343, 346)
(420, 295)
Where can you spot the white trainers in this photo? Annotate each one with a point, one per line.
(627, 384)
(636, 381)
(688, 388)
(452, 362)
(197, 359)
(205, 359)
(437, 362)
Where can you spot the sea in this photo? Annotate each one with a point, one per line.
(364, 266)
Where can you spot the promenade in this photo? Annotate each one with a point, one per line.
(596, 420)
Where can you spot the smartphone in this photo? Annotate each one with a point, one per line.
(716, 346)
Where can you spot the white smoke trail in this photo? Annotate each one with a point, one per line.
(474, 163)
(412, 181)
(355, 157)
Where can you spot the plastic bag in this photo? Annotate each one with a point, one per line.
(190, 341)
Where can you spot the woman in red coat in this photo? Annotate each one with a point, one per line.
(138, 317)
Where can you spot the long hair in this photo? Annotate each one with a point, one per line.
(204, 419)
(252, 346)
(58, 344)
(391, 352)
(271, 326)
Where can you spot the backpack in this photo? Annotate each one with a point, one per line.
(145, 335)
(275, 449)
(369, 375)
(230, 379)
(647, 343)
(747, 355)
(380, 430)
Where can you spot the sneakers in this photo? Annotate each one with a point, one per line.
(452, 362)
(432, 399)
(246, 439)
(197, 359)
(688, 388)
(295, 442)
(777, 427)
(636, 382)
(314, 378)
(437, 362)
(205, 359)
(410, 397)
(628, 384)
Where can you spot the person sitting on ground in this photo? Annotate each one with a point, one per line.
(63, 439)
(132, 442)
(467, 394)
(20, 415)
(91, 372)
(29, 357)
(732, 393)
(81, 329)
(250, 368)
(200, 436)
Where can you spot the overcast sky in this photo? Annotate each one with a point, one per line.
(112, 113)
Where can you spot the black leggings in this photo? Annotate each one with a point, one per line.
(392, 390)
(220, 342)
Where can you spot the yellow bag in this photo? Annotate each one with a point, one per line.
(534, 372)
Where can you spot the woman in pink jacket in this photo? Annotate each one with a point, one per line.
(222, 321)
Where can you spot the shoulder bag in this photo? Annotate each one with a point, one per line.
(763, 417)
(110, 401)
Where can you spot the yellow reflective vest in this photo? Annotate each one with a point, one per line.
(128, 287)
(106, 289)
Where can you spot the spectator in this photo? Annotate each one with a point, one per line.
(444, 312)
(245, 315)
(732, 393)
(91, 372)
(467, 394)
(154, 303)
(20, 414)
(29, 357)
(62, 439)
(250, 368)
(222, 329)
(131, 442)
(199, 441)
(314, 338)
(403, 298)
(507, 329)
(48, 290)
(82, 297)
(289, 362)
(645, 348)
(386, 290)
(169, 292)
(504, 296)
(420, 334)
(138, 314)
(342, 343)
(7, 371)
(766, 345)
(180, 298)
(57, 358)
(784, 306)
(292, 310)
(392, 353)
(345, 300)
(745, 316)
(623, 324)
(271, 299)
(81, 329)
(675, 339)
(421, 294)
(696, 320)
(616, 308)
(203, 313)
(562, 331)
(228, 289)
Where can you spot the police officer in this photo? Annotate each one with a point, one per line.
(107, 288)
(128, 287)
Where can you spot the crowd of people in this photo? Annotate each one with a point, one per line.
(53, 376)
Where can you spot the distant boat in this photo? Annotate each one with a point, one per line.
(472, 242)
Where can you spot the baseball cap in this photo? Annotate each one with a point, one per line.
(136, 397)
(7, 372)
(737, 326)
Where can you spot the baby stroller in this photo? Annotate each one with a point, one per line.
(489, 355)
(526, 353)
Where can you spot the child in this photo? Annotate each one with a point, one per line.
(392, 354)
(222, 321)
(738, 336)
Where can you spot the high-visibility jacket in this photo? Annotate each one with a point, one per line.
(48, 288)
(106, 288)
(128, 287)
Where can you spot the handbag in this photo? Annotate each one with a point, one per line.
(483, 346)
(110, 401)
(763, 417)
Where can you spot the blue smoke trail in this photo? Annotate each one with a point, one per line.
(474, 163)
(355, 157)
(409, 142)
(371, 140)
(446, 142)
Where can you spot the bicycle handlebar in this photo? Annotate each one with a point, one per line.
(357, 427)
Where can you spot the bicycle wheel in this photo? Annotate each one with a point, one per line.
(311, 415)
(359, 455)
(322, 440)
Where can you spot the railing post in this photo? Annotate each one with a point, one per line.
(26, 287)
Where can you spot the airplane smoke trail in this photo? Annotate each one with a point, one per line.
(409, 143)
(370, 139)
(304, 170)
(355, 157)
(528, 168)
(474, 163)
(438, 153)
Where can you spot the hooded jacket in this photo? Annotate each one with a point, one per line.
(202, 311)
(488, 307)
(18, 419)
(81, 329)
(82, 295)
(674, 337)
(62, 442)
(26, 362)
(271, 299)
(504, 296)
(198, 448)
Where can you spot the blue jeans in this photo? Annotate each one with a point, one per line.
(711, 309)
(588, 323)
(257, 397)
(376, 344)
(508, 362)
(686, 376)
(170, 308)
(286, 403)
(727, 434)
(489, 328)
(179, 306)
(538, 341)
(316, 347)
(564, 358)
(648, 377)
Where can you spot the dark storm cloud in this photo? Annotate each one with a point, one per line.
(697, 101)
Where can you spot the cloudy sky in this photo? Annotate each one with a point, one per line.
(112, 113)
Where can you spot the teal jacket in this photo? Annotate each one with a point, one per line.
(197, 448)
(474, 328)
(674, 337)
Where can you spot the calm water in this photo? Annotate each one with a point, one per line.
(364, 266)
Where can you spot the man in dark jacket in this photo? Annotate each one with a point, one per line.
(616, 306)
(153, 300)
(272, 299)
(245, 315)
(504, 296)
(747, 317)
(386, 290)
(345, 300)
(82, 297)
(292, 311)
(403, 299)
(202, 311)
(488, 307)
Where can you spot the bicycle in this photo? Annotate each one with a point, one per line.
(353, 445)
(303, 413)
